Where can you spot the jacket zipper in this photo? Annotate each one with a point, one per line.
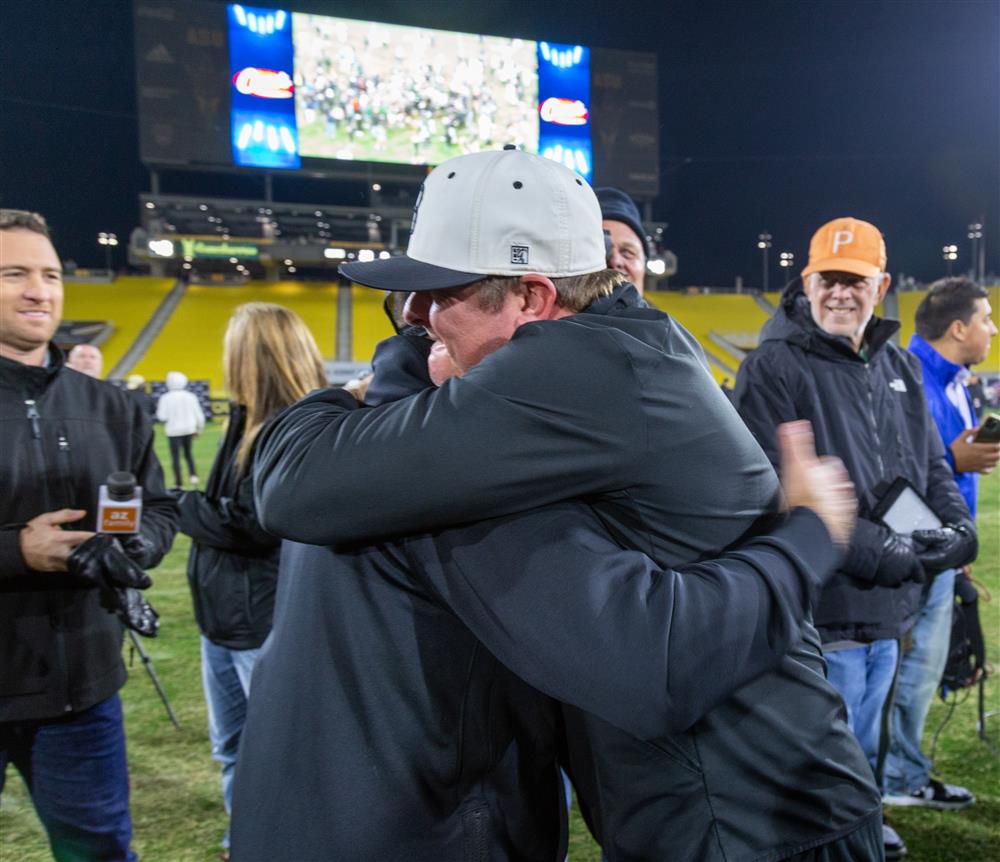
(874, 421)
(36, 435)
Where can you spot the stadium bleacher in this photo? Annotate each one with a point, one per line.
(126, 303)
(191, 340)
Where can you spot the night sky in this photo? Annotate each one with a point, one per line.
(774, 115)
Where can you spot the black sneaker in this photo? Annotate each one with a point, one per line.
(934, 794)
(894, 846)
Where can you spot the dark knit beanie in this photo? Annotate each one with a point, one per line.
(618, 206)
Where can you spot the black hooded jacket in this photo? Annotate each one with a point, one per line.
(61, 434)
(398, 735)
(872, 414)
(233, 564)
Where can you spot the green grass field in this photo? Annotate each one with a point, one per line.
(176, 802)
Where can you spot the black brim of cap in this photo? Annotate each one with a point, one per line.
(405, 273)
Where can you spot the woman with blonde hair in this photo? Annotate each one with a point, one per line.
(270, 360)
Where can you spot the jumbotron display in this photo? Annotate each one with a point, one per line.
(291, 90)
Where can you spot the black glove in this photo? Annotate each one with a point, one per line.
(136, 613)
(101, 562)
(948, 547)
(139, 549)
(899, 562)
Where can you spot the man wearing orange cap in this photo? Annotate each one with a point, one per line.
(824, 356)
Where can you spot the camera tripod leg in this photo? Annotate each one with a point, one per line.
(147, 663)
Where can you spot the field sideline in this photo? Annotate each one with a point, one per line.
(177, 807)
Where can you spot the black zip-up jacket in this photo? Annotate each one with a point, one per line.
(61, 434)
(233, 564)
(400, 695)
(872, 414)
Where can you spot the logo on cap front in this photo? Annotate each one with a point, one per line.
(519, 254)
(842, 237)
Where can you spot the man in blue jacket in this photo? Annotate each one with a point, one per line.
(954, 330)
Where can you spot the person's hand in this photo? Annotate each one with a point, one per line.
(974, 457)
(101, 562)
(820, 484)
(358, 387)
(139, 549)
(899, 562)
(44, 546)
(440, 365)
(947, 547)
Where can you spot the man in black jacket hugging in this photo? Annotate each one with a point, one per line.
(705, 729)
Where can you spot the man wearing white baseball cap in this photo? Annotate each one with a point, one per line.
(596, 413)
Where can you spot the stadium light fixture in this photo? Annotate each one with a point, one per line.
(334, 253)
(150, 205)
(950, 255)
(656, 266)
(384, 255)
(764, 243)
(366, 255)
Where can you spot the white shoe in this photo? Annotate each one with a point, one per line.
(894, 846)
(194, 481)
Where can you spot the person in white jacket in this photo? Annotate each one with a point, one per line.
(182, 417)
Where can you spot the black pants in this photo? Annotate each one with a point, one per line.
(864, 844)
(177, 444)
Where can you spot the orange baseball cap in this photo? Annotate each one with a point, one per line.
(847, 245)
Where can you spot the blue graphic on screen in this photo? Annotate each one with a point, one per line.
(261, 60)
(564, 106)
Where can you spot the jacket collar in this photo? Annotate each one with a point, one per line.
(36, 377)
(622, 297)
(793, 322)
(942, 371)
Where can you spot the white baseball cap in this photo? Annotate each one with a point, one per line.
(503, 212)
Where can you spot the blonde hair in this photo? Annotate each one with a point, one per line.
(270, 361)
(573, 292)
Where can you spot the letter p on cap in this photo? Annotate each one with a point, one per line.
(841, 237)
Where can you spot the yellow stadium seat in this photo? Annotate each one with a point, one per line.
(126, 303)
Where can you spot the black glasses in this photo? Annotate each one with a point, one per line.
(848, 279)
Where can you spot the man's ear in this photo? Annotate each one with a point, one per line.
(883, 285)
(538, 298)
(956, 330)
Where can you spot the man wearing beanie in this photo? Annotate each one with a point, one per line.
(825, 357)
(627, 240)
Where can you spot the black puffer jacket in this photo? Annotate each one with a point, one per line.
(61, 434)
(872, 415)
(233, 565)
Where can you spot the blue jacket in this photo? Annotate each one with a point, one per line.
(938, 373)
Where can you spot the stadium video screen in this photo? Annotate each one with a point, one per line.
(265, 87)
(335, 88)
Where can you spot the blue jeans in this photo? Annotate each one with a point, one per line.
(906, 768)
(225, 675)
(76, 771)
(863, 676)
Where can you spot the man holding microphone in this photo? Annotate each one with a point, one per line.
(61, 435)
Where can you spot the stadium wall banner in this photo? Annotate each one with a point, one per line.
(208, 248)
(265, 87)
